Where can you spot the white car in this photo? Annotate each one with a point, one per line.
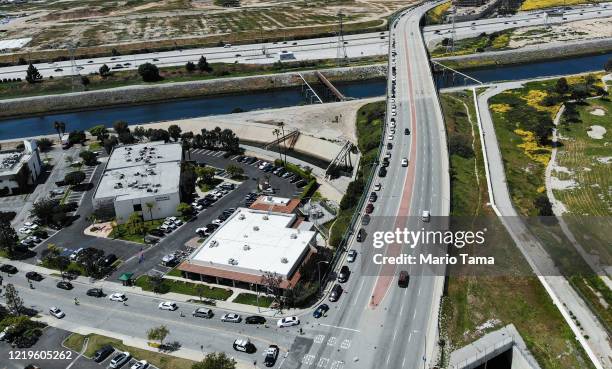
(25, 230)
(231, 317)
(377, 187)
(197, 206)
(390, 137)
(288, 321)
(33, 227)
(404, 162)
(217, 222)
(142, 364)
(76, 254)
(351, 256)
(28, 224)
(167, 305)
(56, 312)
(117, 296)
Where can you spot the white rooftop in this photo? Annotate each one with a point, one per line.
(141, 170)
(145, 153)
(273, 200)
(15, 43)
(255, 241)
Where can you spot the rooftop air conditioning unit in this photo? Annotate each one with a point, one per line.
(246, 247)
(284, 260)
(214, 243)
(293, 236)
(241, 217)
(265, 217)
(255, 228)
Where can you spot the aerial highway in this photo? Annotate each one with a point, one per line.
(358, 45)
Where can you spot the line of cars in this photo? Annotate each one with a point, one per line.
(210, 198)
(119, 360)
(278, 171)
(208, 229)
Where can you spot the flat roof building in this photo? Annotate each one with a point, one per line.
(19, 168)
(249, 244)
(142, 178)
(275, 204)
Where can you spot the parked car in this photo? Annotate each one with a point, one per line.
(108, 260)
(255, 319)
(103, 353)
(404, 162)
(373, 197)
(95, 292)
(34, 276)
(365, 219)
(119, 360)
(157, 233)
(142, 364)
(117, 296)
(382, 172)
(56, 312)
(64, 285)
(425, 216)
(168, 305)
(361, 234)
(369, 208)
(377, 187)
(351, 256)
(244, 345)
(76, 253)
(336, 292)
(8, 268)
(404, 279)
(344, 274)
(320, 311)
(231, 317)
(288, 321)
(271, 354)
(203, 313)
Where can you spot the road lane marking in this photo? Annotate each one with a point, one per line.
(323, 362)
(338, 327)
(345, 344)
(319, 338)
(331, 341)
(308, 359)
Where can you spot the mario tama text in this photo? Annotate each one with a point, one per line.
(430, 259)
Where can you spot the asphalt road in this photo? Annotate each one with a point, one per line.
(359, 45)
(387, 326)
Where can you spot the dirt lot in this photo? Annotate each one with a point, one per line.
(95, 22)
(579, 30)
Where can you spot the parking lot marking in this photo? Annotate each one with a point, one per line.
(337, 365)
(322, 362)
(308, 359)
(319, 338)
(345, 344)
(331, 341)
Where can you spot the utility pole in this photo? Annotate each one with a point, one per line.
(450, 47)
(74, 70)
(341, 56)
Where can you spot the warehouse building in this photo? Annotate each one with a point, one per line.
(19, 168)
(250, 244)
(141, 178)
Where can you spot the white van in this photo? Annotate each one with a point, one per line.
(425, 216)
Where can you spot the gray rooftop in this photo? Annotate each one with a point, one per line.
(145, 153)
(12, 161)
(141, 170)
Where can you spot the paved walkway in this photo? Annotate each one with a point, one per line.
(563, 295)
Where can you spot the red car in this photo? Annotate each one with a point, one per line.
(369, 209)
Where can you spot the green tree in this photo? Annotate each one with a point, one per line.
(203, 65)
(149, 72)
(608, 65)
(135, 224)
(561, 87)
(234, 170)
(158, 334)
(206, 174)
(216, 361)
(14, 303)
(44, 209)
(44, 144)
(32, 74)
(104, 71)
(185, 209)
(85, 81)
(77, 137)
(120, 127)
(89, 158)
(150, 206)
(60, 128)
(190, 67)
(99, 131)
(74, 178)
(8, 237)
(174, 131)
(109, 143)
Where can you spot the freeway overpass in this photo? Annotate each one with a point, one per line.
(358, 45)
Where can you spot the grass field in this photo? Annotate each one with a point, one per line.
(436, 15)
(251, 299)
(122, 231)
(476, 305)
(541, 4)
(490, 42)
(185, 288)
(75, 342)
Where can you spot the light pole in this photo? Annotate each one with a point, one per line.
(319, 269)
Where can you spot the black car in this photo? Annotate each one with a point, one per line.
(365, 219)
(373, 197)
(34, 276)
(344, 274)
(382, 172)
(389, 146)
(301, 183)
(336, 292)
(108, 260)
(103, 353)
(95, 292)
(64, 285)
(320, 311)
(406, 131)
(255, 319)
(8, 268)
(361, 234)
(157, 233)
(296, 178)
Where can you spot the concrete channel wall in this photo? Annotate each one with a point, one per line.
(528, 54)
(139, 94)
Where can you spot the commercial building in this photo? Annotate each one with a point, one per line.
(248, 245)
(141, 178)
(275, 204)
(19, 168)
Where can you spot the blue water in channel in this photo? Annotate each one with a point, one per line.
(197, 107)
